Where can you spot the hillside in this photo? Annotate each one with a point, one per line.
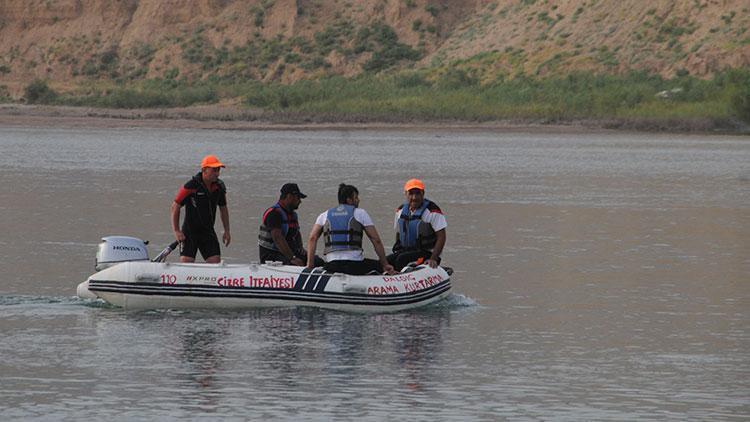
(73, 42)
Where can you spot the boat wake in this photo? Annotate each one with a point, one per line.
(456, 300)
(453, 300)
(20, 300)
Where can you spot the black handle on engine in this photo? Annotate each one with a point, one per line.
(163, 254)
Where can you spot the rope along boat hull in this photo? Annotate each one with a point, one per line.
(156, 285)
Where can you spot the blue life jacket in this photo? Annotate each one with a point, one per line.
(288, 220)
(413, 233)
(342, 232)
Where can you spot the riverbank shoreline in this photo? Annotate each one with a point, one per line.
(235, 117)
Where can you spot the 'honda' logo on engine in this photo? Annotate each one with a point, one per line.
(126, 248)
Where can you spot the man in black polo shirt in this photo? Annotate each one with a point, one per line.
(279, 237)
(200, 196)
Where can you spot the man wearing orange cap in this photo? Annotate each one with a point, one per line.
(200, 196)
(420, 229)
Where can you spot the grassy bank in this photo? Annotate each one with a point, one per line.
(449, 95)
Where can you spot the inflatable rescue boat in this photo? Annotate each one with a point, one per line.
(127, 278)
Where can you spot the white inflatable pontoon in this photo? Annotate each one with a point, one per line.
(128, 279)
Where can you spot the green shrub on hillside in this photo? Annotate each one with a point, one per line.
(197, 49)
(105, 64)
(259, 15)
(411, 80)
(455, 78)
(332, 37)
(5, 94)
(741, 104)
(389, 50)
(38, 92)
(737, 83)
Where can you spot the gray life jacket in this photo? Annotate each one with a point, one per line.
(341, 231)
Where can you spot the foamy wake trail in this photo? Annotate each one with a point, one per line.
(456, 300)
(15, 300)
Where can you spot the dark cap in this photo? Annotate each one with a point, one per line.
(293, 189)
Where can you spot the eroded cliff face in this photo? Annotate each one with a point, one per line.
(73, 42)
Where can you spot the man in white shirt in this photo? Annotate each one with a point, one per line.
(420, 229)
(342, 227)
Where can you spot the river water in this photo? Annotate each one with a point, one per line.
(598, 276)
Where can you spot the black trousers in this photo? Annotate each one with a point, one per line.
(402, 258)
(270, 255)
(353, 267)
(207, 243)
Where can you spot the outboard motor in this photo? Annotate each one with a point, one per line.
(116, 249)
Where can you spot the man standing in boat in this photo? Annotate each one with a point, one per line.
(200, 196)
(420, 229)
(279, 237)
(342, 227)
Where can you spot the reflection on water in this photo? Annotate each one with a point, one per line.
(419, 344)
(202, 355)
(268, 359)
(598, 276)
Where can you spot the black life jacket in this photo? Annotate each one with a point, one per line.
(288, 221)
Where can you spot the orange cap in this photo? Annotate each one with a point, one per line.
(413, 184)
(211, 161)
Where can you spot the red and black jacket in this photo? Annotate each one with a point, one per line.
(200, 204)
